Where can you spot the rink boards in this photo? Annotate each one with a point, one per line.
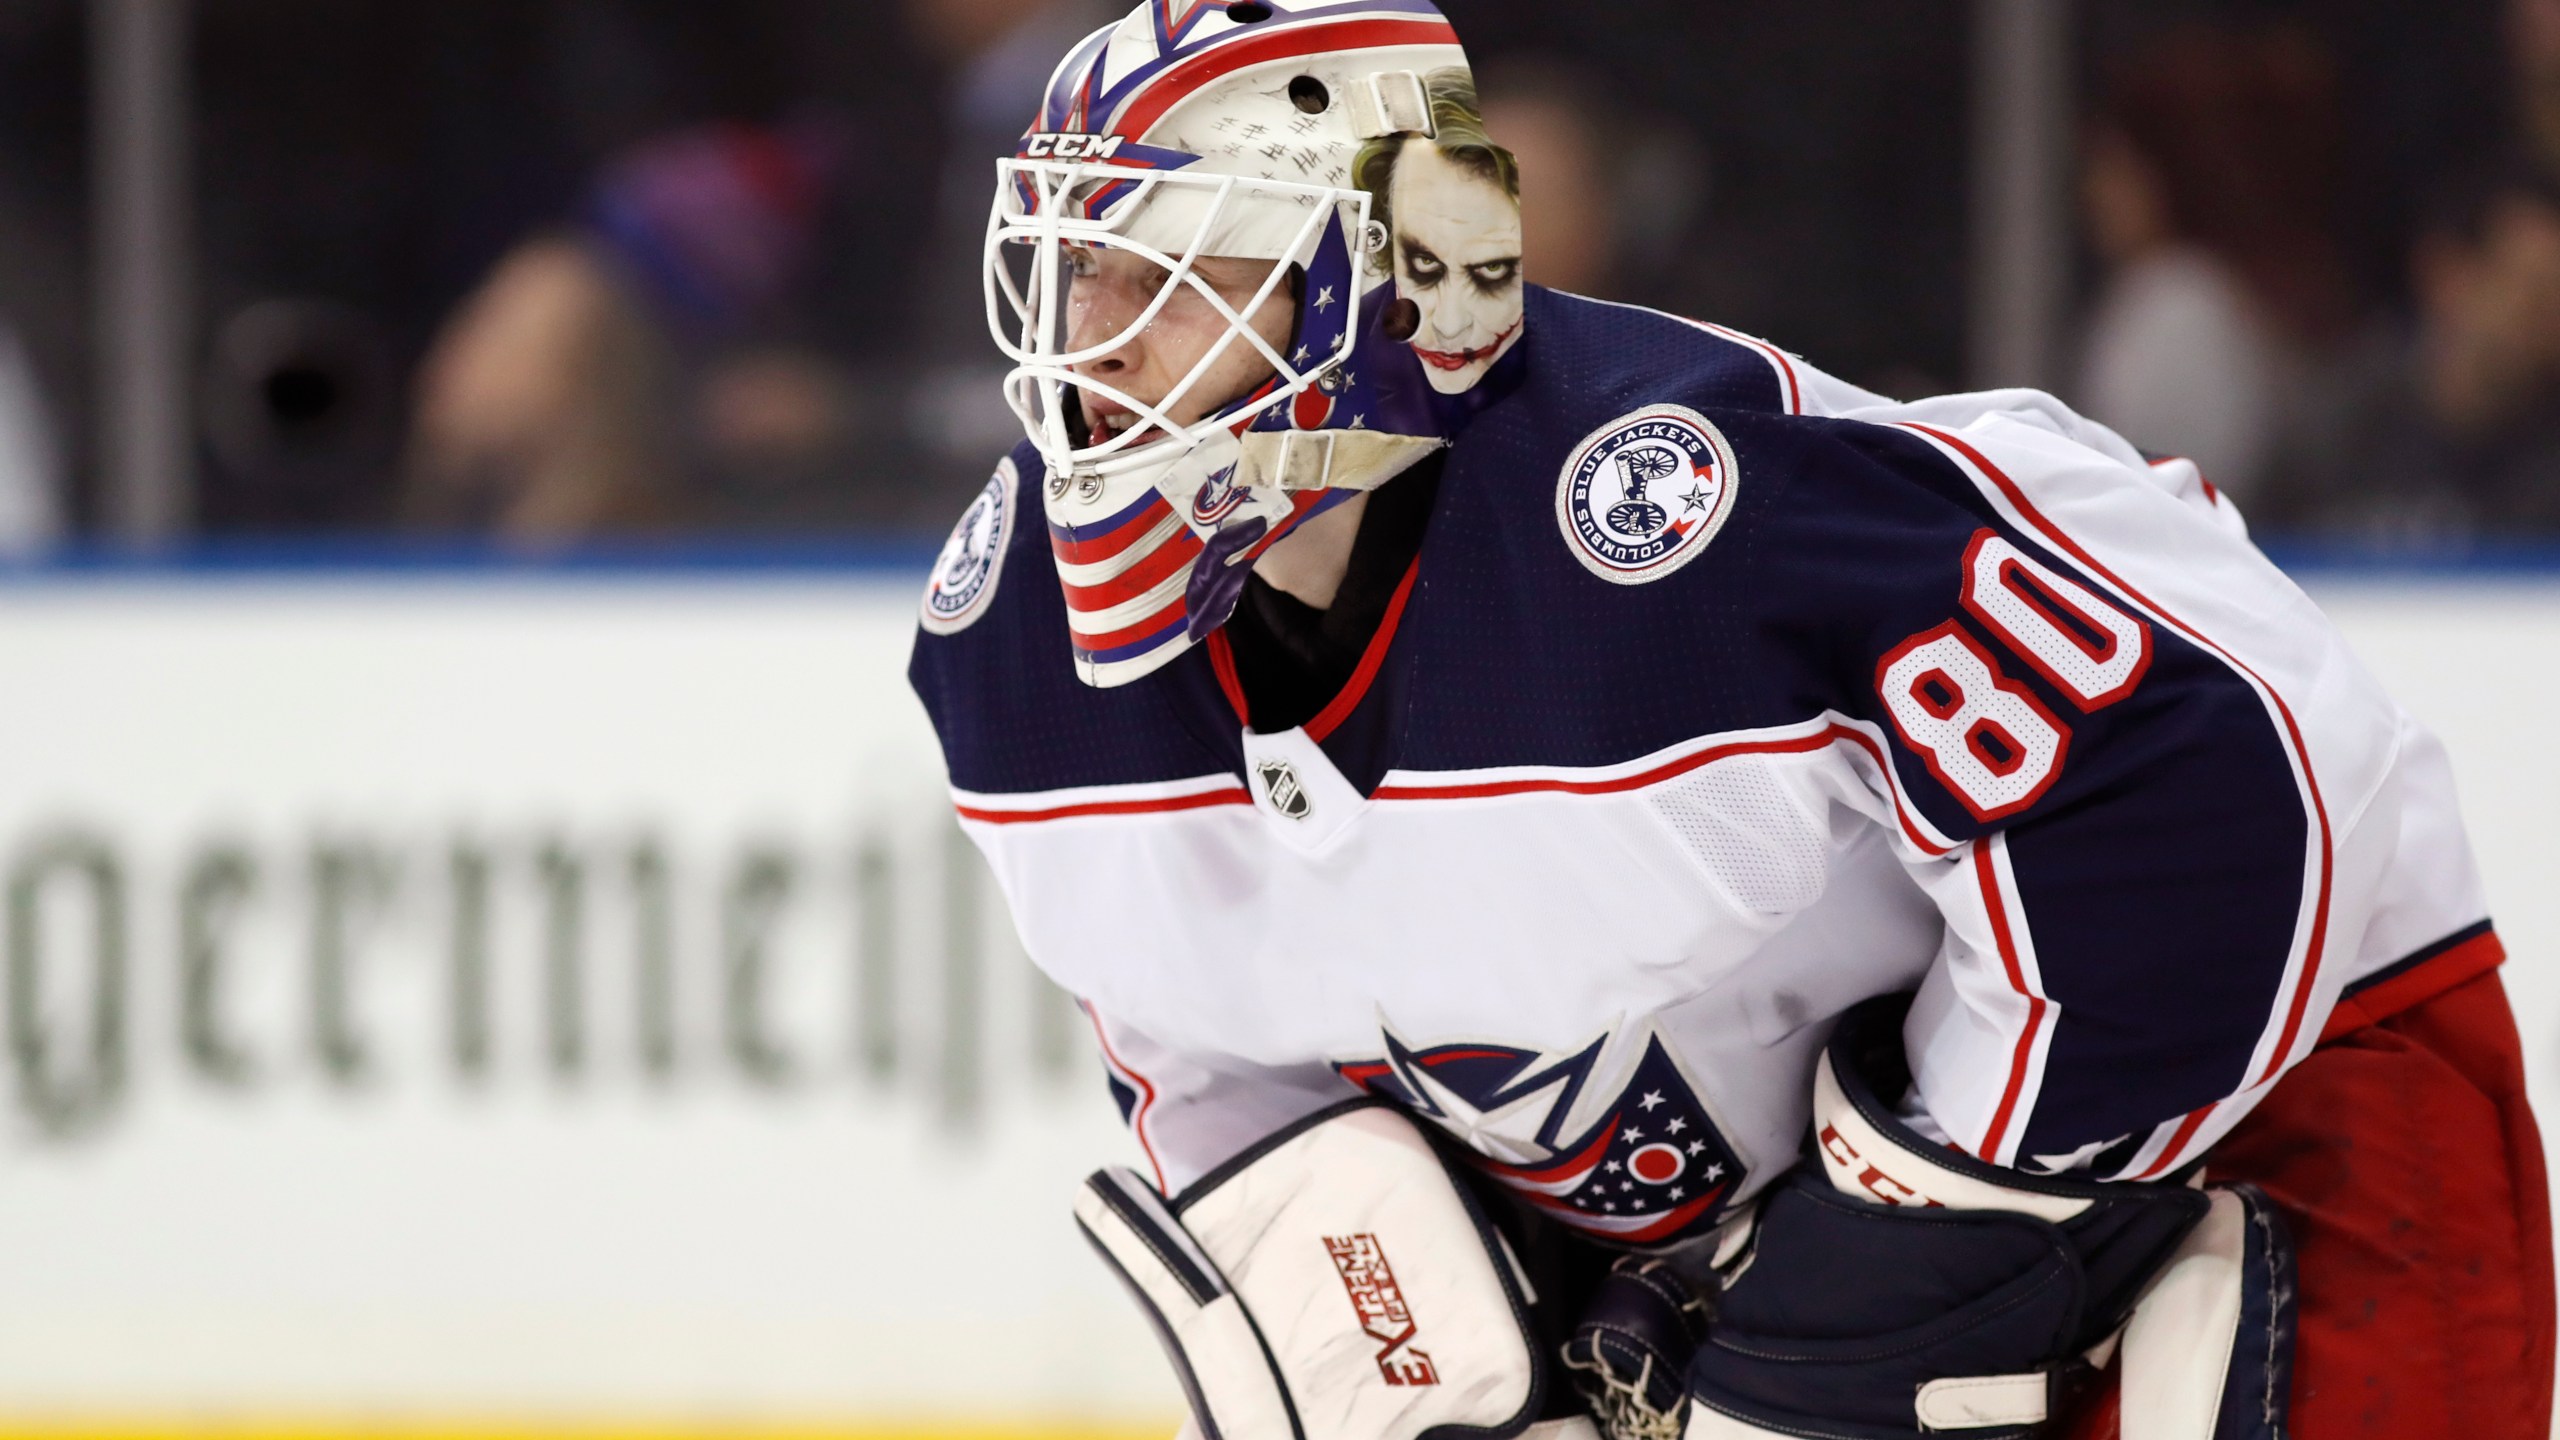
(556, 1003)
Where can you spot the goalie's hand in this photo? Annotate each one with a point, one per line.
(1900, 1288)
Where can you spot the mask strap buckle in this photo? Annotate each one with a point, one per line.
(1390, 102)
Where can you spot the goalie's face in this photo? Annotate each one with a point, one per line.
(1153, 354)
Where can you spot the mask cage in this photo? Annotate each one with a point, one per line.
(1056, 207)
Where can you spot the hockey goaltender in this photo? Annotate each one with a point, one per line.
(1626, 883)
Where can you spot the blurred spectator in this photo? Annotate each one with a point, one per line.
(552, 405)
(650, 366)
(998, 55)
(30, 475)
(1568, 143)
(2210, 190)
(544, 410)
(2533, 40)
(2488, 284)
(1608, 199)
(2487, 277)
(2456, 429)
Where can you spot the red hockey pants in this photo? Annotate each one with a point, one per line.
(2407, 1164)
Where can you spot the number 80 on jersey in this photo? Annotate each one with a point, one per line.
(1994, 745)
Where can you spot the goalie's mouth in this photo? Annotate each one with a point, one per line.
(1461, 359)
(1108, 420)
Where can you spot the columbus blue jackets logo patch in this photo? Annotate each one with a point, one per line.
(1646, 492)
(972, 560)
(1627, 1154)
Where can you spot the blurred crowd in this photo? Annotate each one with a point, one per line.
(554, 270)
(2234, 322)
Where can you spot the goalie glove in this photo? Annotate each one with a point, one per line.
(1899, 1288)
(1629, 1353)
(1335, 1282)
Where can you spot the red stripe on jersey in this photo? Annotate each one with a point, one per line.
(1786, 367)
(2186, 1131)
(1800, 745)
(1371, 659)
(2023, 1059)
(1222, 663)
(1141, 111)
(1160, 806)
(1146, 1097)
(2423, 982)
(2293, 732)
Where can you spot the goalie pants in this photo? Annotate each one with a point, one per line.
(2404, 1157)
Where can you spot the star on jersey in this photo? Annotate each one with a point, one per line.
(1556, 1126)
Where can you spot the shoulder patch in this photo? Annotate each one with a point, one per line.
(972, 560)
(1643, 494)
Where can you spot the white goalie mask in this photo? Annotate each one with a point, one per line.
(1205, 131)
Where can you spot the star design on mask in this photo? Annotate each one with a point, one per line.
(1651, 1099)
(1359, 422)
(1325, 300)
(1301, 356)
(1698, 498)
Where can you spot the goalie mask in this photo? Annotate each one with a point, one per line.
(1187, 265)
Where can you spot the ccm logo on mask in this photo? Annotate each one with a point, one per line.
(1072, 147)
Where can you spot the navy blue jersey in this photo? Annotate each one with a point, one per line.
(1719, 697)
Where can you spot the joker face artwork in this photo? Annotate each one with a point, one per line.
(1451, 204)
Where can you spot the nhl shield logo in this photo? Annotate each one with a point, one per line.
(1280, 784)
(972, 560)
(1646, 492)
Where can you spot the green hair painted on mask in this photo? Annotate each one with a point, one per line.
(1461, 139)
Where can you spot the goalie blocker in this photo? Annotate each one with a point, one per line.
(1902, 1288)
